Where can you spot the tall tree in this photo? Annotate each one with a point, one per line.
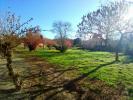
(11, 31)
(109, 21)
(61, 29)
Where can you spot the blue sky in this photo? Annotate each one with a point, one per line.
(45, 12)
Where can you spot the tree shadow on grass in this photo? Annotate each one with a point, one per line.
(4, 73)
(46, 74)
(10, 94)
(70, 86)
(7, 91)
(90, 72)
(53, 89)
(130, 91)
(48, 92)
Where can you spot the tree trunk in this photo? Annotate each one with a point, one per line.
(106, 41)
(14, 76)
(118, 48)
(116, 56)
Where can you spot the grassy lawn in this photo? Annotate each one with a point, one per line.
(106, 69)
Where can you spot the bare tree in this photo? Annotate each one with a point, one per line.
(11, 31)
(61, 29)
(108, 21)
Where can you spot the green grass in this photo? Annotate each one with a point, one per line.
(108, 71)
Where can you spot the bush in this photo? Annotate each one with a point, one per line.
(61, 48)
(31, 46)
(32, 39)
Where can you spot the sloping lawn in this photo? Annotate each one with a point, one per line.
(101, 62)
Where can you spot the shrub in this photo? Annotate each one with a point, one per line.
(32, 46)
(32, 39)
(61, 48)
